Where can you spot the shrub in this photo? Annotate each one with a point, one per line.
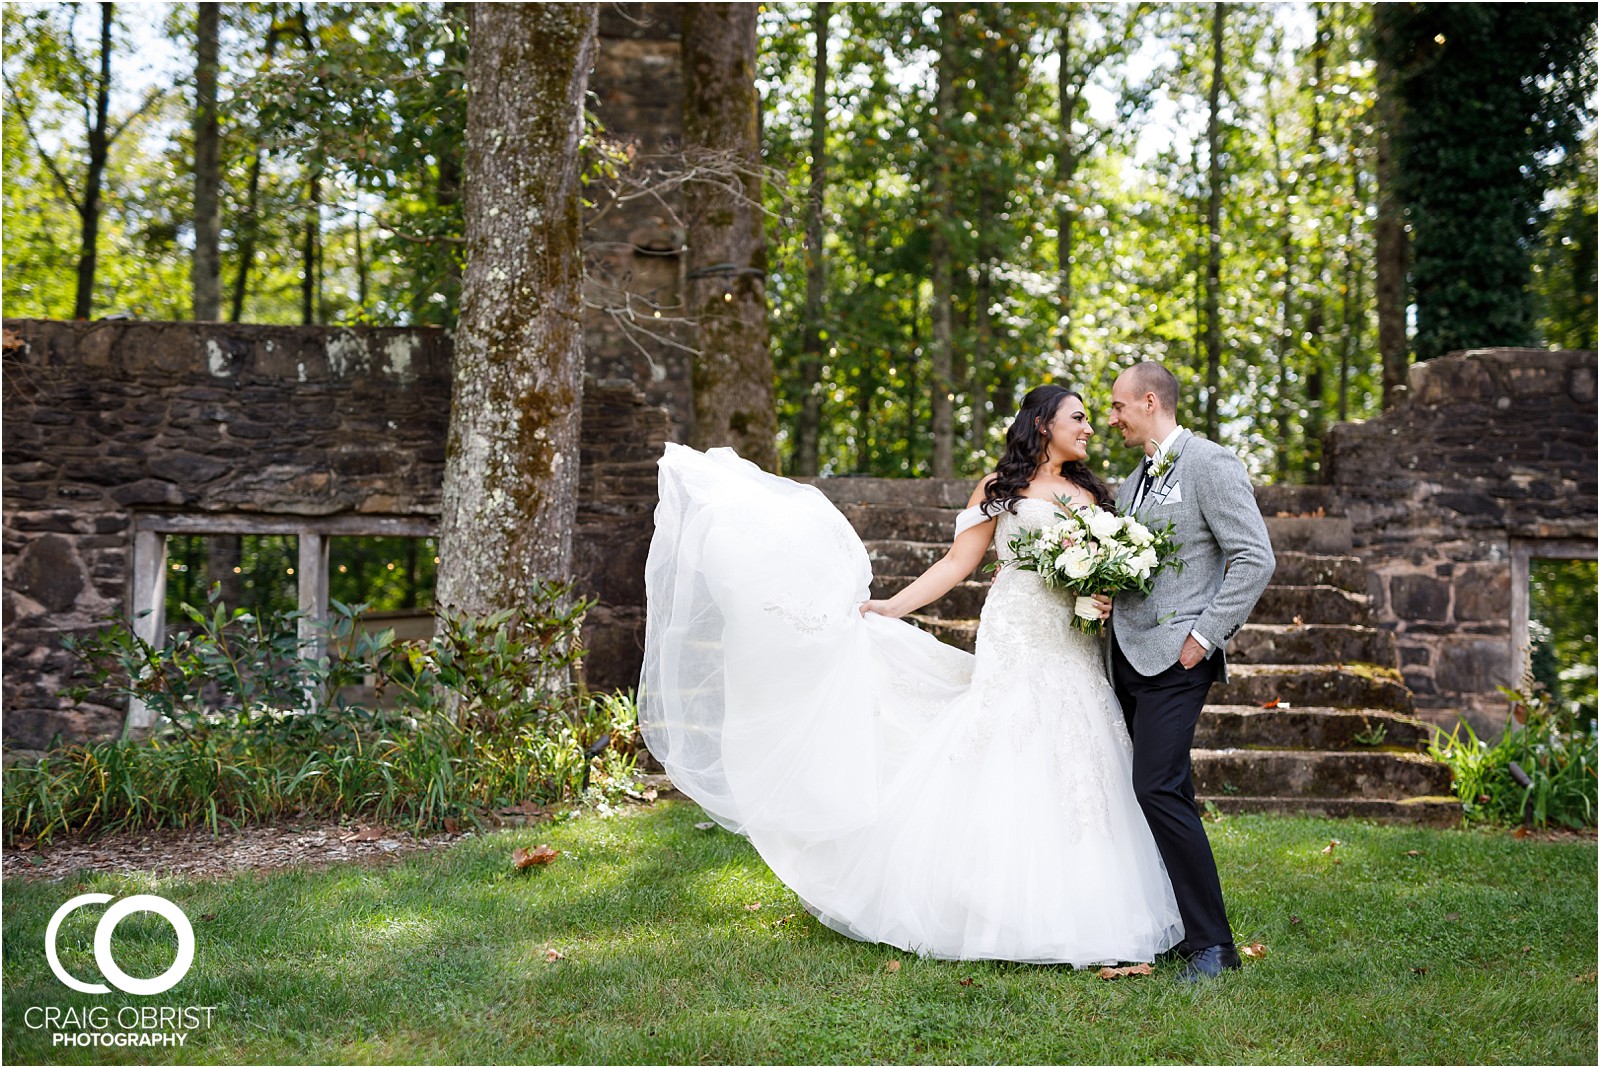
(483, 715)
(1542, 771)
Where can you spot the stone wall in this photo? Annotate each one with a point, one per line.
(105, 421)
(634, 252)
(1491, 461)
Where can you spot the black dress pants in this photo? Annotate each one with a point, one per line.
(1161, 712)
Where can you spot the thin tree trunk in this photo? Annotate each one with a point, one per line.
(866, 391)
(1350, 340)
(448, 189)
(942, 382)
(361, 263)
(1068, 96)
(308, 249)
(99, 145)
(250, 218)
(808, 432)
(511, 467)
(206, 268)
(734, 402)
(1390, 235)
(1214, 228)
(1316, 320)
(1286, 187)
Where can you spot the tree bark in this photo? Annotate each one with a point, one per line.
(1214, 227)
(1069, 94)
(99, 145)
(250, 218)
(808, 431)
(206, 268)
(511, 467)
(1390, 235)
(941, 344)
(734, 400)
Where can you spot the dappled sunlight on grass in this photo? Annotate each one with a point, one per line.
(445, 957)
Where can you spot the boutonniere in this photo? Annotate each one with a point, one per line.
(1159, 469)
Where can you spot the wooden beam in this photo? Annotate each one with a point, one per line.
(148, 609)
(394, 526)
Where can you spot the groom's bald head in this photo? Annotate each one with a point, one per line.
(1151, 377)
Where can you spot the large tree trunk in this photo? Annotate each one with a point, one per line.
(808, 431)
(206, 268)
(1390, 235)
(99, 145)
(734, 402)
(942, 343)
(1214, 228)
(511, 468)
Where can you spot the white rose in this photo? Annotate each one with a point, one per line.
(1104, 525)
(1074, 563)
(1138, 533)
(1145, 562)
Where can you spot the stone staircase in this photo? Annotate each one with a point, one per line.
(1314, 717)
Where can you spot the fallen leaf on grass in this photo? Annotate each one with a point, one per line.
(1527, 949)
(1587, 977)
(1413, 852)
(363, 834)
(522, 859)
(1520, 832)
(1419, 971)
(525, 808)
(452, 825)
(892, 967)
(1294, 921)
(553, 955)
(966, 982)
(1118, 973)
(754, 906)
(1255, 951)
(1452, 916)
(1331, 843)
(706, 826)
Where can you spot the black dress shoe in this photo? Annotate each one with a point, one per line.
(1209, 963)
(1179, 952)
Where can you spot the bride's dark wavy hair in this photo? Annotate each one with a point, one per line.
(1025, 450)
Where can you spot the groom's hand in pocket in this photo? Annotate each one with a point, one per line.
(1193, 652)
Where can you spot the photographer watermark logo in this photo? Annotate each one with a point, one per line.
(129, 1025)
(102, 944)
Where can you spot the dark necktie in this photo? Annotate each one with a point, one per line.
(1144, 480)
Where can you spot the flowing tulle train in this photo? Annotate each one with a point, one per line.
(954, 805)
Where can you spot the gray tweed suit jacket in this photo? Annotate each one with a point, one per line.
(1226, 553)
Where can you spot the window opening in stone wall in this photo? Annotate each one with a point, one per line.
(1562, 596)
(255, 572)
(392, 576)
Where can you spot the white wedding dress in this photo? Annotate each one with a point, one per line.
(954, 805)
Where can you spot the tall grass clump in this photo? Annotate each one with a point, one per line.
(1543, 770)
(250, 724)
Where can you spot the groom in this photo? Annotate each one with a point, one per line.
(1167, 649)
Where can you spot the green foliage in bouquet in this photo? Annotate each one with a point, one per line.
(250, 725)
(1092, 551)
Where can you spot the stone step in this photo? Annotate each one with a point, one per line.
(965, 602)
(1359, 730)
(917, 522)
(952, 493)
(1287, 499)
(1347, 573)
(961, 633)
(1426, 811)
(1314, 685)
(1312, 643)
(1317, 774)
(1312, 604)
(1322, 535)
(908, 559)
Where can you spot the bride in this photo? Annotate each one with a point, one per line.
(956, 805)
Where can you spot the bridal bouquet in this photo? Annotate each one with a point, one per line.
(1091, 551)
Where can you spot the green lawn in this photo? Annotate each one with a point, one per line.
(1478, 948)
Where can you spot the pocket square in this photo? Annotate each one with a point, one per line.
(1173, 495)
